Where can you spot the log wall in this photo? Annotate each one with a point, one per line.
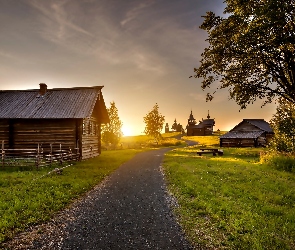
(4, 132)
(70, 133)
(91, 138)
(245, 142)
(29, 132)
(200, 131)
(237, 142)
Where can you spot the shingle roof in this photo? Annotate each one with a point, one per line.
(241, 135)
(55, 103)
(206, 122)
(260, 123)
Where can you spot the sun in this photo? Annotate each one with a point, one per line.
(126, 131)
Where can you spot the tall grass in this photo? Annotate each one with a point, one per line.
(232, 201)
(30, 196)
(279, 161)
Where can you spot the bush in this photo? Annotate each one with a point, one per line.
(280, 161)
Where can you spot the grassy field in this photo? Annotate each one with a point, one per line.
(225, 202)
(144, 141)
(204, 141)
(30, 196)
(231, 201)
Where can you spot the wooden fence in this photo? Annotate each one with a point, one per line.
(38, 156)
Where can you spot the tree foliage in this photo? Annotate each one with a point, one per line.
(177, 126)
(251, 51)
(283, 124)
(154, 122)
(111, 132)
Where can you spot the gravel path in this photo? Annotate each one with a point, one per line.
(130, 210)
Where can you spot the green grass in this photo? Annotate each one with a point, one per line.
(27, 198)
(279, 161)
(204, 140)
(232, 201)
(144, 141)
(30, 196)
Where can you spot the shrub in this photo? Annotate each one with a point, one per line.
(280, 161)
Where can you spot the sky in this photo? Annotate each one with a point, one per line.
(142, 51)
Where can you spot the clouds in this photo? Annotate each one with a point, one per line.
(7, 55)
(135, 12)
(144, 33)
(142, 51)
(56, 23)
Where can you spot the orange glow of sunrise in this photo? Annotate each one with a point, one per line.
(127, 131)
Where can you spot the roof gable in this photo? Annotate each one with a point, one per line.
(55, 103)
(260, 124)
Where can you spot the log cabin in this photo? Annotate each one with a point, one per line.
(70, 117)
(248, 133)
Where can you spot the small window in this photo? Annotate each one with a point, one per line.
(90, 128)
(94, 128)
(84, 127)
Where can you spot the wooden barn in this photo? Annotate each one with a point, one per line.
(248, 133)
(71, 117)
(205, 126)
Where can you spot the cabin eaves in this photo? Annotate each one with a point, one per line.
(59, 103)
(242, 135)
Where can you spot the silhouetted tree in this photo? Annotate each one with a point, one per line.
(174, 125)
(251, 51)
(177, 126)
(111, 132)
(154, 122)
(283, 124)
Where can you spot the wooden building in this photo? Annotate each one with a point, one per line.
(71, 117)
(248, 133)
(205, 126)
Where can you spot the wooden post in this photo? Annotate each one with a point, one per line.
(71, 155)
(99, 138)
(3, 153)
(77, 151)
(61, 159)
(37, 158)
(50, 155)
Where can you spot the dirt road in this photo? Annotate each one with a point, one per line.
(130, 210)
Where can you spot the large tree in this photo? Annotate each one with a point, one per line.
(283, 124)
(154, 122)
(251, 51)
(111, 132)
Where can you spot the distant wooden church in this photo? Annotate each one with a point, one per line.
(205, 126)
